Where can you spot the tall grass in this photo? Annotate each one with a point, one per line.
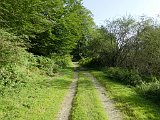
(150, 90)
(147, 87)
(134, 106)
(128, 77)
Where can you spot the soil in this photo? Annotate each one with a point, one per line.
(112, 112)
(66, 106)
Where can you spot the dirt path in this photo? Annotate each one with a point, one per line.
(66, 106)
(111, 111)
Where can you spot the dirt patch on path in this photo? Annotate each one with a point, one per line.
(66, 106)
(112, 112)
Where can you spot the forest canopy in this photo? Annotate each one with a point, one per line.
(40, 39)
(46, 26)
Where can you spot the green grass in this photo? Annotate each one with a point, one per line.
(128, 101)
(87, 105)
(39, 99)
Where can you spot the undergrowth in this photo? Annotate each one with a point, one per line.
(134, 106)
(31, 87)
(128, 77)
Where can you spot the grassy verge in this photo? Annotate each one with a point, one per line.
(129, 102)
(87, 105)
(39, 99)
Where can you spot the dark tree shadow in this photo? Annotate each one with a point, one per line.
(58, 83)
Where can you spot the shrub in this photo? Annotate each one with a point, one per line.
(129, 77)
(91, 63)
(85, 62)
(150, 90)
(12, 75)
(148, 79)
(16, 62)
(62, 60)
(13, 62)
(47, 64)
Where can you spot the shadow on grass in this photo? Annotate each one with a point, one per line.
(84, 81)
(59, 83)
(133, 104)
(85, 84)
(137, 107)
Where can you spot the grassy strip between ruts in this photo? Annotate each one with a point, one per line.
(127, 100)
(87, 105)
(40, 99)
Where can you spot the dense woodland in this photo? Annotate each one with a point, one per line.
(47, 35)
(129, 51)
(39, 34)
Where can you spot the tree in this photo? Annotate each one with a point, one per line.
(124, 30)
(46, 26)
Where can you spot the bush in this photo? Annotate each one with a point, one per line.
(91, 63)
(150, 90)
(9, 50)
(47, 64)
(12, 75)
(13, 62)
(17, 65)
(129, 77)
(148, 79)
(62, 60)
(85, 62)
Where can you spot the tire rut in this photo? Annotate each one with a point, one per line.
(66, 106)
(111, 111)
